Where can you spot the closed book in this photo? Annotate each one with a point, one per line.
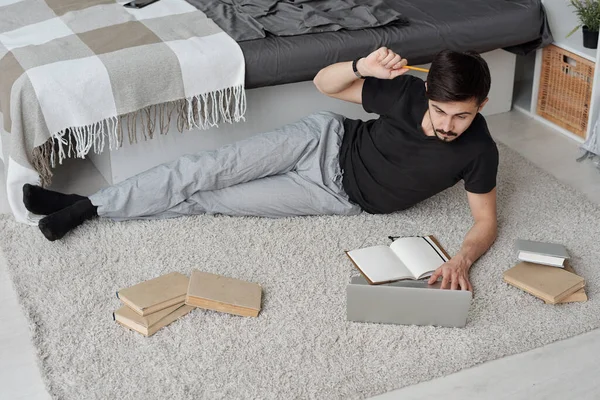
(546, 253)
(148, 325)
(224, 294)
(578, 296)
(155, 294)
(549, 284)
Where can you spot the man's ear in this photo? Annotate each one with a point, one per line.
(425, 86)
(483, 104)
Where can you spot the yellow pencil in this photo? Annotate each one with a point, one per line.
(417, 68)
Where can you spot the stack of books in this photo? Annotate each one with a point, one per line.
(153, 304)
(544, 272)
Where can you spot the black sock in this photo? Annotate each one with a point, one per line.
(42, 201)
(56, 225)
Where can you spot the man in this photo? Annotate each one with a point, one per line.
(428, 137)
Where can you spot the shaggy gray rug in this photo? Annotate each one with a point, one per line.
(301, 345)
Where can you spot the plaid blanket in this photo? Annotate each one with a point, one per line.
(78, 75)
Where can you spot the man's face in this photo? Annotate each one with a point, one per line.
(451, 119)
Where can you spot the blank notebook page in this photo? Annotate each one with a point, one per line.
(379, 263)
(417, 254)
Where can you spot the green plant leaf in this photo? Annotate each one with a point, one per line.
(573, 31)
(588, 12)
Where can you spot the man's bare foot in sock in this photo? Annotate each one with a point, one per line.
(58, 224)
(42, 201)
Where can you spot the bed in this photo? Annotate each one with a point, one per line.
(279, 67)
(519, 26)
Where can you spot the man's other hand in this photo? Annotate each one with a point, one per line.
(383, 63)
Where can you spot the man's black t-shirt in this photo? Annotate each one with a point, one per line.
(390, 164)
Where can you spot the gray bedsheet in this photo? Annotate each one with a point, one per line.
(254, 19)
(519, 26)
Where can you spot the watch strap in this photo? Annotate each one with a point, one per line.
(355, 69)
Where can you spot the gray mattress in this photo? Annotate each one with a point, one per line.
(519, 26)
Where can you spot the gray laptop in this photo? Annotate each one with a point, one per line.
(406, 303)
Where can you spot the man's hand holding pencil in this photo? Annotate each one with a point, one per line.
(383, 63)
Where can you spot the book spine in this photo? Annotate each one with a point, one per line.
(531, 291)
(543, 296)
(570, 292)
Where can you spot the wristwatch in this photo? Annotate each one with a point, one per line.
(356, 69)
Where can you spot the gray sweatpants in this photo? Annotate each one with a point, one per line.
(293, 170)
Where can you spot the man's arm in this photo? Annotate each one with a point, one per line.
(483, 232)
(339, 81)
(477, 241)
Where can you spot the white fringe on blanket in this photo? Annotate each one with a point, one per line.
(202, 111)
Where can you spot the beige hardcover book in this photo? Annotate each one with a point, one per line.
(548, 283)
(155, 294)
(220, 293)
(578, 296)
(148, 326)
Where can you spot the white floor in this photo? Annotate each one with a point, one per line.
(565, 369)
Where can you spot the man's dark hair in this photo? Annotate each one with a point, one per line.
(458, 76)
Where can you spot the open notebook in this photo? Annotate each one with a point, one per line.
(406, 258)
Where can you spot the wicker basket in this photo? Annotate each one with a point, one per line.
(565, 89)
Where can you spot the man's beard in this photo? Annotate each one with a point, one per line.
(438, 132)
(449, 135)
